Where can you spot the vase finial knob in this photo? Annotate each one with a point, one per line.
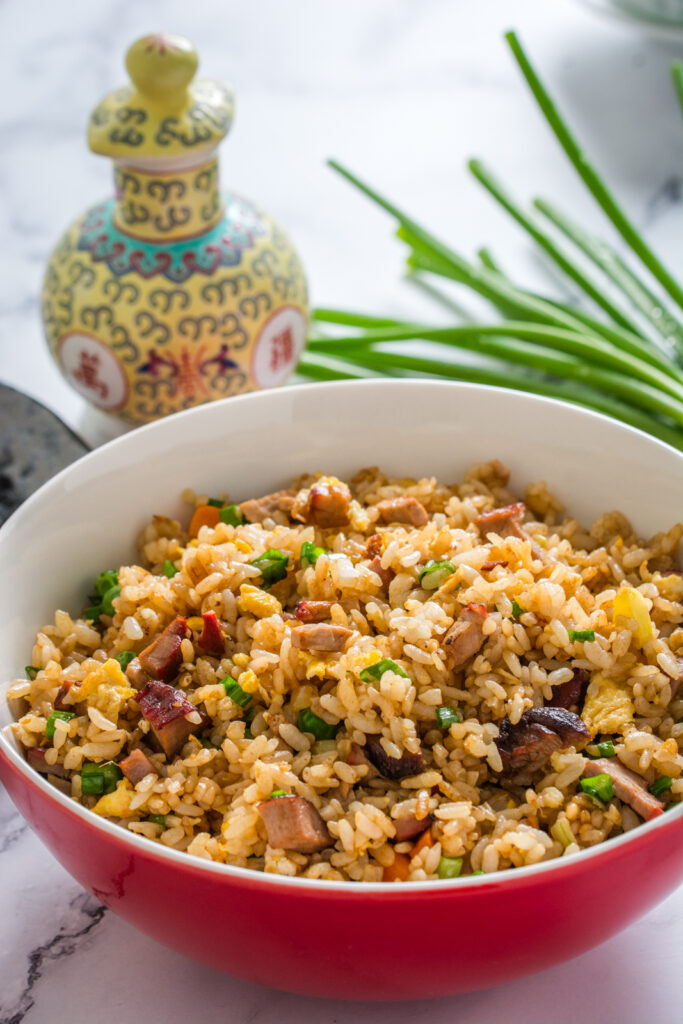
(162, 65)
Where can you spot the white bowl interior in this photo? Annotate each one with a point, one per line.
(86, 518)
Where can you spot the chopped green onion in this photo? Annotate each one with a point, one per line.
(107, 600)
(599, 786)
(215, 502)
(232, 515)
(603, 749)
(106, 589)
(158, 819)
(562, 833)
(92, 784)
(310, 722)
(278, 793)
(661, 784)
(65, 716)
(517, 610)
(310, 554)
(581, 634)
(446, 716)
(449, 867)
(478, 873)
(209, 744)
(377, 670)
(31, 672)
(435, 573)
(273, 566)
(248, 718)
(235, 692)
(124, 659)
(170, 569)
(105, 581)
(98, 779)
(592, 374)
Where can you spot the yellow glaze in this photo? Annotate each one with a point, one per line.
(162, 112)
(116, 804)
(630, 604)
(608, 707)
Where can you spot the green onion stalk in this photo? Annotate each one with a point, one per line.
(621, 354)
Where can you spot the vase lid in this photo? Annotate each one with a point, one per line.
(163, 112)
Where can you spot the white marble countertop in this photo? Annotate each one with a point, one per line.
(402, 92)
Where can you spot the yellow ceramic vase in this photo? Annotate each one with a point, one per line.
(171, 294)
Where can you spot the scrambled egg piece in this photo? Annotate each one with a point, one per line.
(105, 688)
(358, 661)
(257, 602)
(315, 667)
(670, 587)
(630, 604)
(608, 707)
(116, 804)
(248, 681)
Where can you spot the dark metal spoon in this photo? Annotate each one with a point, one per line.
(34, 445)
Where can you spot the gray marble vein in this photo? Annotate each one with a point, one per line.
(85, 915)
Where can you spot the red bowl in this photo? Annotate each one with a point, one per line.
(333, 939)
(346, 941)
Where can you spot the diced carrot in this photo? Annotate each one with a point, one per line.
(425, 840)
(399, 870)
(480, 609)
(203, 515)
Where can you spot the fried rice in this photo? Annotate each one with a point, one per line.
(404, 688)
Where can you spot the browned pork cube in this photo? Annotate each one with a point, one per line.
(329, 505)
(163, 657)
(136, 766)
(527, 745)
(255, 510)
(503, 521)
(628, 786)
(403, 510)
(320, 636)
(293, 823)
(466, 636)
(313, 611)
(392, 767)
(172, 717)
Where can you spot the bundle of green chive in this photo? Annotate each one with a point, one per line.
(626, 362)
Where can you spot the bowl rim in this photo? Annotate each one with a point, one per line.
(184, 860)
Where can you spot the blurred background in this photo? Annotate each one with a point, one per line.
(402, 93)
